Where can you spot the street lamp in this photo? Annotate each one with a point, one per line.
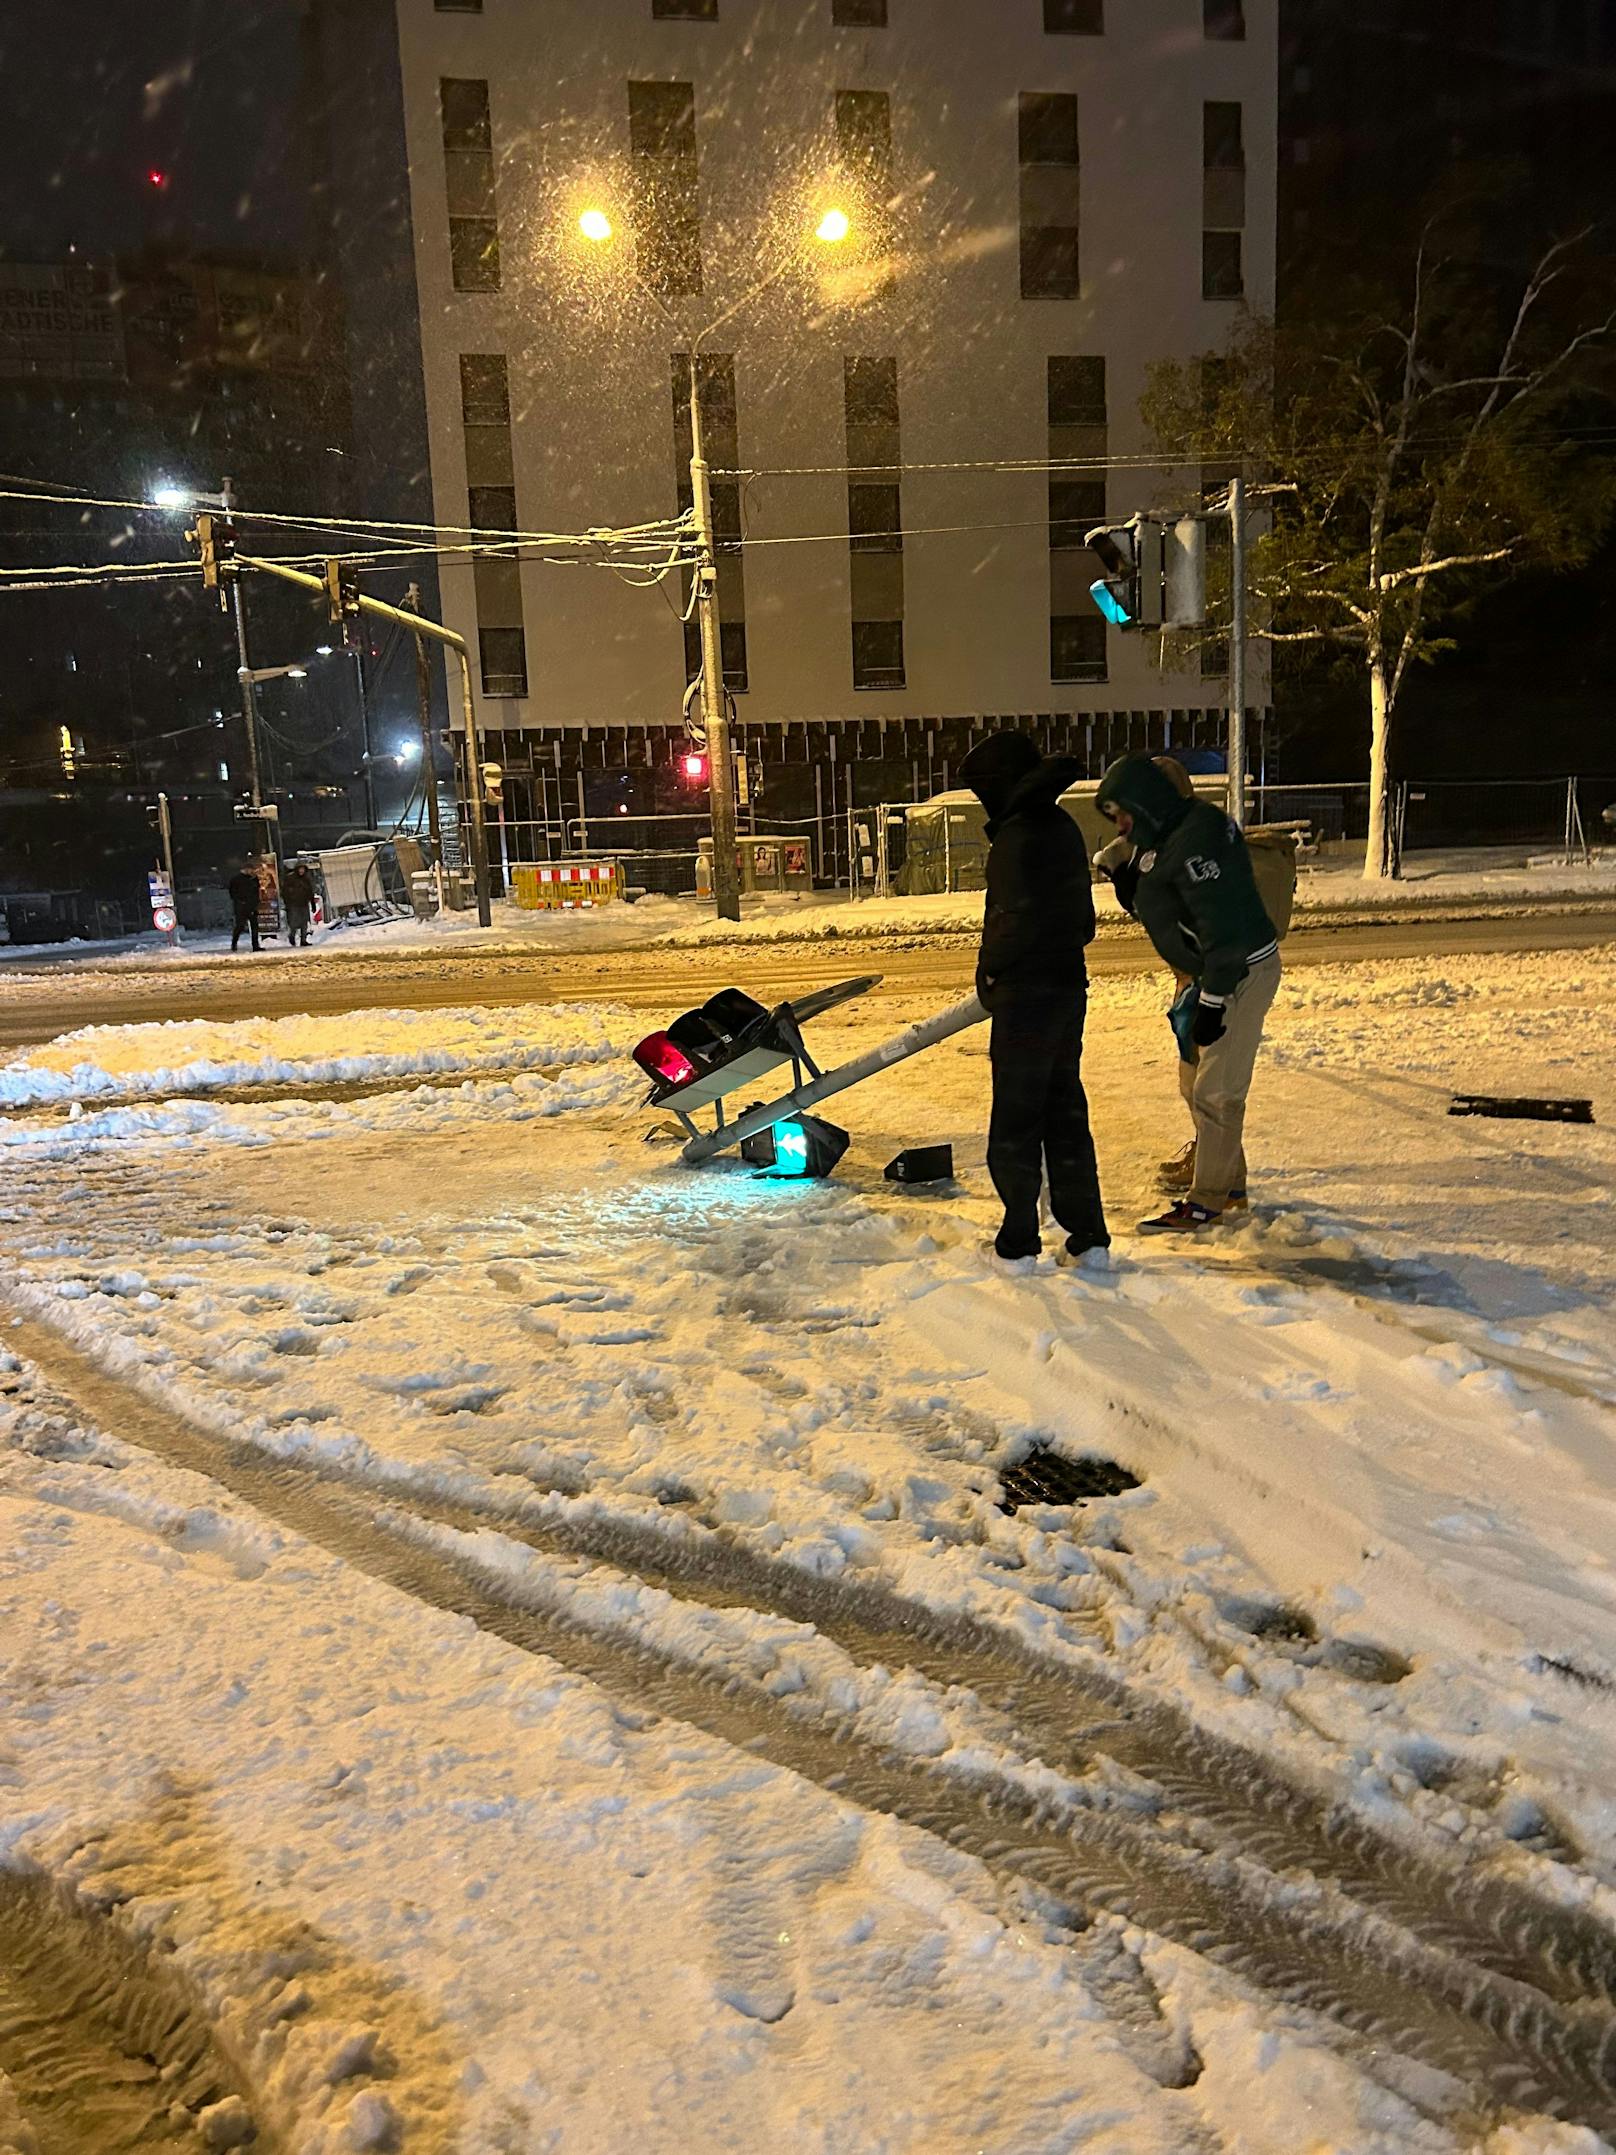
(833, 228)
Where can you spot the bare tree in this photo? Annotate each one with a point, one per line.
(1419, 443)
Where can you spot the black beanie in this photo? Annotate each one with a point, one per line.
(1001, 759)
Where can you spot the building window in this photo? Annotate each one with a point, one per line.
(864, 140)
(1222, 271)
(504, 661)
(874, 517)
(492, 508)
(1075, 507)
(667, 224)
(874, 520)
(1074, 18)
(1077, 435)
(878, 654)
(1223, 196)
(1077, 393)
(859, 14)
(1222, 138)
(721, 439)
(684, 10)
(485, 415)
(1076, 647)
(468, 170)
(1223, 18)
(1048, 143)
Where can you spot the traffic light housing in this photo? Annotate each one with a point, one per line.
(799, 1148)
(1131, 593)
(1185, 576)
(341, 591)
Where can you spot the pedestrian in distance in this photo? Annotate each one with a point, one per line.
(1033, 980)
(1188, 880)
(246, 893)
(297, 895)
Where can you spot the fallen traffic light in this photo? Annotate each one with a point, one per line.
(922, 1163)
(802, 1148)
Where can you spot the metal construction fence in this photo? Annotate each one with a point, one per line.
(918, 845)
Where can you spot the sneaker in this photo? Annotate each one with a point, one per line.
(1014, 1253)
(1179, 1172)
(1184, 1218)
(1086, 1256)
(1238, 1202)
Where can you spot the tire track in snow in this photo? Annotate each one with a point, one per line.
(104, 2047)
(1300, 1936)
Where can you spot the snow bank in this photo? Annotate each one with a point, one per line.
(129, 1062)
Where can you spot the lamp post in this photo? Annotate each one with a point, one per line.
(833, 228)
(181, 497)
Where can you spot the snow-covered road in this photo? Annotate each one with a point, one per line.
(573, 1596)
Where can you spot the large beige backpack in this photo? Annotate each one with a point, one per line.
(1272, 847)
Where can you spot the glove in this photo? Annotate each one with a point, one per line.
(1111, 857)
(1208, 1024)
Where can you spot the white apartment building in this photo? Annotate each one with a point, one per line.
(1046, 196)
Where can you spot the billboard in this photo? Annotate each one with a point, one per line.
(59, 322)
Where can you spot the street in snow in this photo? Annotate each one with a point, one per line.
(532, 1635)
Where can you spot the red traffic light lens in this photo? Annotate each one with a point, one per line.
(664, 1060)
(695, 769)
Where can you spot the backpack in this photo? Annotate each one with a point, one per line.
(1273, 864)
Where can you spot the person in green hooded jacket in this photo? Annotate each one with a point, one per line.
(1189, 883)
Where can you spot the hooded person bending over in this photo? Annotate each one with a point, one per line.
(1031, 977)
(1189, 883)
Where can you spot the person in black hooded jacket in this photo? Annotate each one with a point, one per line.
(1032, 978)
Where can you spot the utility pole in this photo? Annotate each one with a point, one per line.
(249, 694)
(714, 712)
(165, 832)
(429, 745)
(1237, 651)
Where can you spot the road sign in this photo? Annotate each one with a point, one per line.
(164, 919)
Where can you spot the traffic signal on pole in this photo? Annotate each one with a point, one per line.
(203, 540)
(341, 591)
(1130, 594)
(693, 766)
(1186, 574)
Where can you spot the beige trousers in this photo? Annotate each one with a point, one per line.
(1215, 1086)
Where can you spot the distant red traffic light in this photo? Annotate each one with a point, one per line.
(695, 769)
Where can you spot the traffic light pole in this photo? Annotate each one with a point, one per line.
(715, 716)
(1237, 652)
(249, 698)
(429, 746)
(419, 625)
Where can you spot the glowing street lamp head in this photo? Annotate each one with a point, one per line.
(833, 227)
(595, 225)
(168, 496)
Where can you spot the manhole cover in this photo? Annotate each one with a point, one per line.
(1049, 1477)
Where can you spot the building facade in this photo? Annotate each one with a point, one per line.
(1044, 197)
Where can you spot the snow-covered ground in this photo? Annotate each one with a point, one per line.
(446, 1887)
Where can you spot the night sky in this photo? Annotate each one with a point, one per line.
(105, 92)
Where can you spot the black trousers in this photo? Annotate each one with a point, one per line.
(245, 919)
(297, 925)
(1040, 1120)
